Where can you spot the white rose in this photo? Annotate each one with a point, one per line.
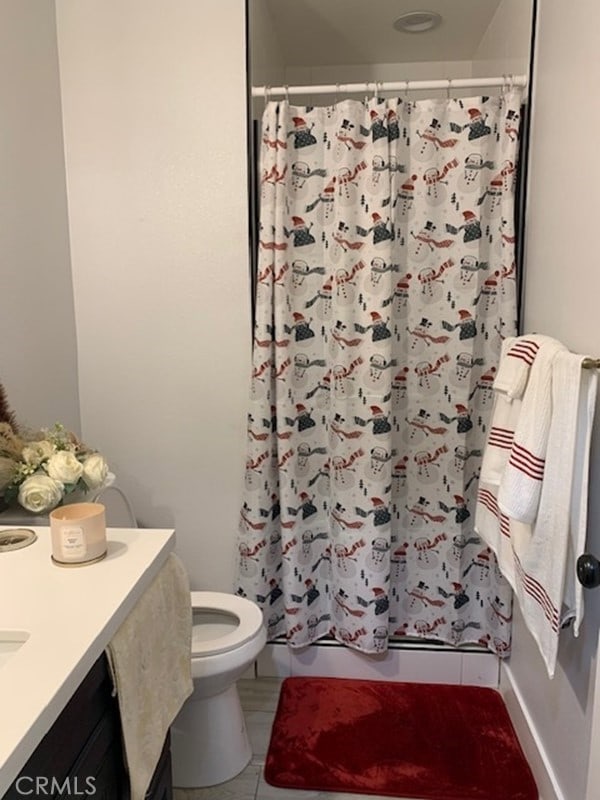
(40, 493)
(95, 471)
(35, 452)
(8, 469)
(64, 467)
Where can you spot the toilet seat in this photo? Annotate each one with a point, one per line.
(249, 621)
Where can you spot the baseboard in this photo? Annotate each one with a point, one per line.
(530, 741)
(414, 664)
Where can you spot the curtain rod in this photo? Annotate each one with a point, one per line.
(394, 86)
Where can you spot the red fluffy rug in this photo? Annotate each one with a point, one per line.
(417, 740)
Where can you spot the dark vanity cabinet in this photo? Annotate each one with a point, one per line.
(82, 754)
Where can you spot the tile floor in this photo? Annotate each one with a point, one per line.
(259, 699)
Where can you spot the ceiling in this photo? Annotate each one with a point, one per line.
(329, 32)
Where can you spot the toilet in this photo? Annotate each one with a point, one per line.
(209, 742)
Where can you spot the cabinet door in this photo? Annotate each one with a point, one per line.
(98, 771)
(161, 785)
(91, 708)
(82, 754)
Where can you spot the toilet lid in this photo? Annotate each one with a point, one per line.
(246, 618)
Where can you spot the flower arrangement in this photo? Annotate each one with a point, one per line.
(38, 471)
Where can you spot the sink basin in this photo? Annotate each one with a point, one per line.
(16, 538)
(10, 642)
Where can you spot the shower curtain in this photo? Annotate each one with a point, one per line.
(385, 285)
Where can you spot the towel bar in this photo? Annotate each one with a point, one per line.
(591, 363)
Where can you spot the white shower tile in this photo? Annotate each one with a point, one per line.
(340, 662)
(273, 661)
(422, 666)
(480, 669)
(402, 664)
(430, 666)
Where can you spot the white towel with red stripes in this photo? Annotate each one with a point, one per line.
(532, 508)
(521, 483)
(516, 357)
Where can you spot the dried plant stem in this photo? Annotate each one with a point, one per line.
(6, 415)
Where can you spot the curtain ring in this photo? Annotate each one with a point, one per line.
(287, 94)
(337, 93)
(376, 92)
(367, 92)
(511, 82)
(266, 89)
(448, 88)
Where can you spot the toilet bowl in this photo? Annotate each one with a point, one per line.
(209, 742)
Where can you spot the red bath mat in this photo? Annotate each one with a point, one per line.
(419, 740)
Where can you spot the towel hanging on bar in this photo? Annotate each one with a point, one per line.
(538, 559)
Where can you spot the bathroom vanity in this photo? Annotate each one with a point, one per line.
(59, 717)
(82, 752)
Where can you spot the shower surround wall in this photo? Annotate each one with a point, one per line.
(504, 52)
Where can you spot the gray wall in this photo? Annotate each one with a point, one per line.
(561, 300)
(154, 111)
(37, 322)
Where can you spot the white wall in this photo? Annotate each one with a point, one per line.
(154, 111)
(505, 46)
(37, 344)
(267, 62)
(268, 67)
(561, 299)
(360, 73)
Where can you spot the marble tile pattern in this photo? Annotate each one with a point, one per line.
(259, 700)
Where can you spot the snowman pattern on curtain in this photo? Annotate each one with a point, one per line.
(386, 284)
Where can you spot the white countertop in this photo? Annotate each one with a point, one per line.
(71, 614)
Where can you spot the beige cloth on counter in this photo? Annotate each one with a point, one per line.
(150, 658)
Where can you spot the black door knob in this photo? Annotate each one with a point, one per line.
(588, 571)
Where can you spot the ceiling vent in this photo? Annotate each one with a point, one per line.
(417, 21)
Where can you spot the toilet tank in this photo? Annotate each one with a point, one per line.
(118, 510)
